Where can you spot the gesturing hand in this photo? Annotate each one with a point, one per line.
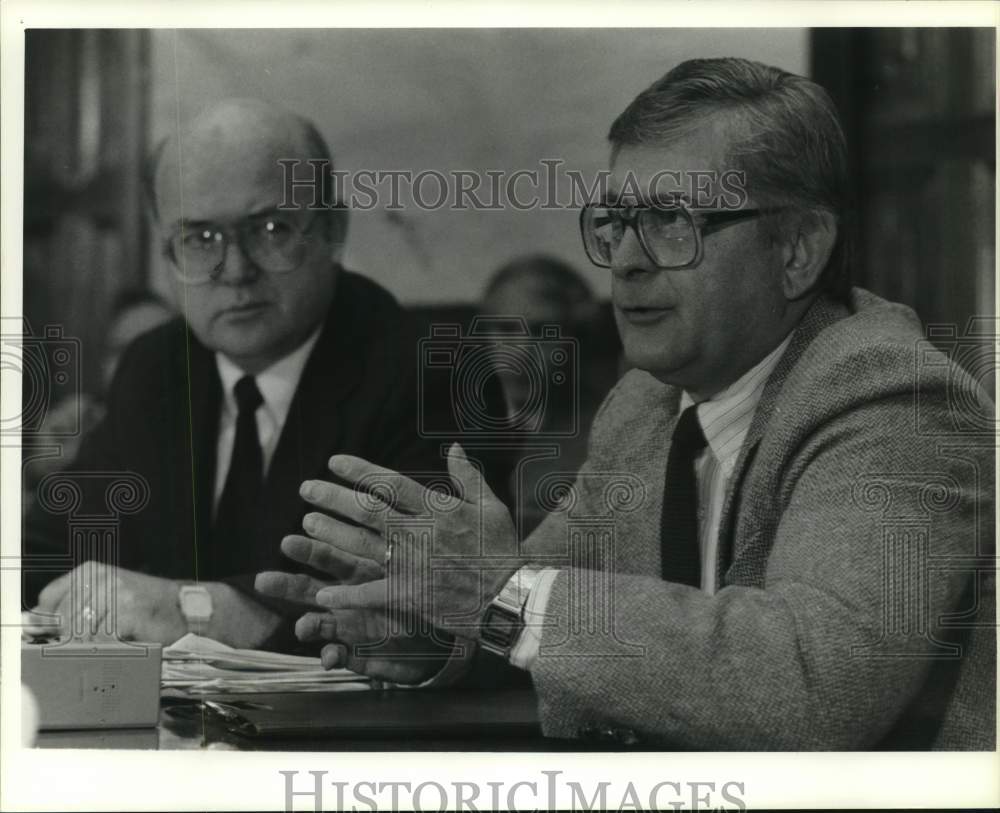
(449, 555)
(361, 640)
(351, 564)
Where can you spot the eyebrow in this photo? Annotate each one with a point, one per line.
(665, 200)
(191, 224)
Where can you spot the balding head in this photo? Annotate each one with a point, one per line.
(235, 143)
(218, 192)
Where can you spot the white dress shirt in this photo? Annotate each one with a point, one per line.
(277, 385)
(725, 419)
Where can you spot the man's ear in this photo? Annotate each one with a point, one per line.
(807, 249)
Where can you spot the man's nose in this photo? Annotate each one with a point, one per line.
(629, 259)
(236, 268)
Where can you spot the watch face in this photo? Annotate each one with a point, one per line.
(500, 627)
(196, 604)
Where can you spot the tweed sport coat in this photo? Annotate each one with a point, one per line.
(855, 606)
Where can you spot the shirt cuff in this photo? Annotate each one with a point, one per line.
(525, 651)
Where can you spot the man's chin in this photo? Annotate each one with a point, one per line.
(251, 348)
(654, 361)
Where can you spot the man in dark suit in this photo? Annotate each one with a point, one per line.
(281, 358)
(783, 535)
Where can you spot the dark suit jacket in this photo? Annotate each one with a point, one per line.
(856, 597)
(357, 395)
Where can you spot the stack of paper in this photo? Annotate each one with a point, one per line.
(201, 665)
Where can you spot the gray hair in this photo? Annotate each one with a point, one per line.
(786, 137)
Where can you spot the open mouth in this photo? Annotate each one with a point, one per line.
(644, 315)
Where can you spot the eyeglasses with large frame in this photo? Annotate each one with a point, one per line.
(275, 241)
(644, 219)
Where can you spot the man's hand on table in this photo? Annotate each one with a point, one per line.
(146, 608)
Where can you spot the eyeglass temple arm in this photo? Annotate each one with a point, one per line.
(714, 221)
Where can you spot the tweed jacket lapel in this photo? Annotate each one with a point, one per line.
(823, 313)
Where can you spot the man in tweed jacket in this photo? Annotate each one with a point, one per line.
(841, 593)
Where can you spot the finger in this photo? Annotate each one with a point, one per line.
(316, 627)
(342, 566)
(333, 656)
(378, 668)
(474, 488)
(70, 617)
(370, 595)
(360, 626)
(338, 656)
(355, 539)
(85, 587)
(54, 592)
(290, 586)
(364, 509)
(408, 494)
(36, 622)
(84, 607)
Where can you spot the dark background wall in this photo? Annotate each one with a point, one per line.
(919, 108)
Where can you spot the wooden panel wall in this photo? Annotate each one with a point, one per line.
(86, 102)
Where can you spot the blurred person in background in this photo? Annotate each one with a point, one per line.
(545, 291)
(135, 311)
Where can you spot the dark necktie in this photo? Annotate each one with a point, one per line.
(236, 518)
(680, 551)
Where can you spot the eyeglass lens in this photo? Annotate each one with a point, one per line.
(667, 233)
(275, 242)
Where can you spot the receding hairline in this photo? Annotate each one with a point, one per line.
(293, 134)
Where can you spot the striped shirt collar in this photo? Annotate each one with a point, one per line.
(725, 417)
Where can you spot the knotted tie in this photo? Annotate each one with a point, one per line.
(680, 551)
(236, 518)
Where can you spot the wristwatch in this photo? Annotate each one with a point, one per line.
(503, 621)
(196, 607)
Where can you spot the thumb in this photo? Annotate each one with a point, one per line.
(468, 475)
